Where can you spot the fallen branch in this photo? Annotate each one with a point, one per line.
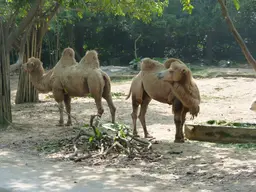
(104, 140)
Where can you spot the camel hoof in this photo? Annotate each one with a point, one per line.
(60, 125)
(179, 141)
(135, 135)
(149, 136)
(68, 124)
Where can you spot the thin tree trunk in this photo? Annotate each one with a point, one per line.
(237, 36)
(135, 47)
(5, 92)
(26, 91)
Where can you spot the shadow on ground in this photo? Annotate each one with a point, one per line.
(197, 167)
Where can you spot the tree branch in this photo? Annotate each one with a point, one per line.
(135, 46)
(237, 36)
(46, 22)
(19, 62)
(24, 23)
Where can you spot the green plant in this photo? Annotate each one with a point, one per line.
(134, 63)
(159, 59)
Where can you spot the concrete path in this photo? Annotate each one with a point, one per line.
(28, 173)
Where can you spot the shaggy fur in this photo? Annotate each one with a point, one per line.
(182, 84)
(67, 59)
(90, 60)
(176, 70)
(148, 85)
(41, 81)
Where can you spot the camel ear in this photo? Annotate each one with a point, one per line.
(184, 71)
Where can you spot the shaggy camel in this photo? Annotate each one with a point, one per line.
(171, 83)
(70, 79)
(78, 80)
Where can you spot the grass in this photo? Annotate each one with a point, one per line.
(240, 146)
(53, 146)
(232, 124)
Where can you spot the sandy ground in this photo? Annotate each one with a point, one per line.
(198, 166)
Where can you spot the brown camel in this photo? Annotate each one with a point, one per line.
(68, 80)
(171, 83)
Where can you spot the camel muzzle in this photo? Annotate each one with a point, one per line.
(160, 75)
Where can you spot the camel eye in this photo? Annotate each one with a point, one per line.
(171, 71)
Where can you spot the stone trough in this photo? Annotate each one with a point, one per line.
(221, 133)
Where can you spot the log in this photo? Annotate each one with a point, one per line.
(220, 134)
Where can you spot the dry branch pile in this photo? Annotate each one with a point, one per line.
(100, 140)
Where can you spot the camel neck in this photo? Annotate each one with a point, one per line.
(36, 76)
(40, 80)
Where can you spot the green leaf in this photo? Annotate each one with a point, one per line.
(91, 139)
(98, 133)
(237, 4)
(80, 14)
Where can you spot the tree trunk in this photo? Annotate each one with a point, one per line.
(237, 36)
(26, 91)
(208, 50)
(5, 92)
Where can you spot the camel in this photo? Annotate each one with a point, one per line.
(71, 79)
(81, 79)
(171, 83)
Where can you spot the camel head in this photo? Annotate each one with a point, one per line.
(253, 106)
(176, 71)
(90, 59)
(68, 53)
(33, 64)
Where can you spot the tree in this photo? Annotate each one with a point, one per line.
(237, 36)
(10, 37)
(33, 47)
(14, 11)
(188, 7)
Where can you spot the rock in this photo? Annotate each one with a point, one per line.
(116, 70)
(225, 63)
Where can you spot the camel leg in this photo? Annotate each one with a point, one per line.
(67, 101)
(143, 111)
(61, 121)
(179, 119)
(59, 97)
(112, 108)
(134, 114)
(99, 105)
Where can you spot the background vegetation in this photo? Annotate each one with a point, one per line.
(202, 37)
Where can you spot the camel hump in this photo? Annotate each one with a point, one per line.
(90, 60)
(170, 61)
(148, 64)
(68, 52)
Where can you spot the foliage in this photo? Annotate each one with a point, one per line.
(135, 62)
(232, 124)
(201, 36)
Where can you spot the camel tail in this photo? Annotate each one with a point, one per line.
(128, 94)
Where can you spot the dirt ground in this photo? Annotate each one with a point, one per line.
(192, 166)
